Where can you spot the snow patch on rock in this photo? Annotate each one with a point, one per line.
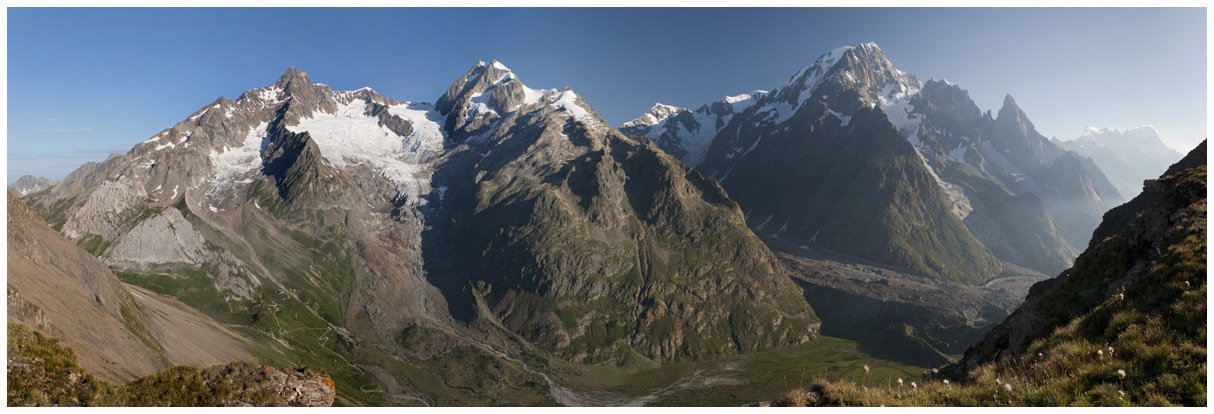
(234, 163)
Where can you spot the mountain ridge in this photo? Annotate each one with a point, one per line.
(951, 147)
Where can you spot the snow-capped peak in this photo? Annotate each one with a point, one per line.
(1145, 132)
(658, 113)
(292, 75)
(476, 90)
(567, 101)
(738, 103)
(812, 74)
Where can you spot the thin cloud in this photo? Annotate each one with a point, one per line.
(63, 130)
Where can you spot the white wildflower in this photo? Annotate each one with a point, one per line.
(1121, 373)
(866, 369)
(899, 382)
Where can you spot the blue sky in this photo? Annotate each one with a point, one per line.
(86, 82)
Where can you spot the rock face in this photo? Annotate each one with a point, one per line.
(163, 238)
(960, 192)
(1029, 199)
(295, 388)
(1147, 257)
(1127, 157)
(119, 332)
(29, 184)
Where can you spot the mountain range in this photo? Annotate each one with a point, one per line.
(346, 223)
(1128, 158)
(856, 156)
(507, 246)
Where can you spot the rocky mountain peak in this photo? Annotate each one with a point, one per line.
(1144, 138)
(866, 64)
(479, 79)
(29, 184)
(292, 76)
(868, 52)
(848, 78)
(949, 106)
(490, 92)
(1011, 119)
(1009, 108)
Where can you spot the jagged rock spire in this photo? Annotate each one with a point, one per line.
(292, 75)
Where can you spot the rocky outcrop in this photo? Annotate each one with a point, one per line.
(298, 388)
(164, 238)
(107, 210)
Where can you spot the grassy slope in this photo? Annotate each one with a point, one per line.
(42, 372)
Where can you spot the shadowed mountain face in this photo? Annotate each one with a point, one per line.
(1137, 293)
(1032, 202)
(997, 191)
